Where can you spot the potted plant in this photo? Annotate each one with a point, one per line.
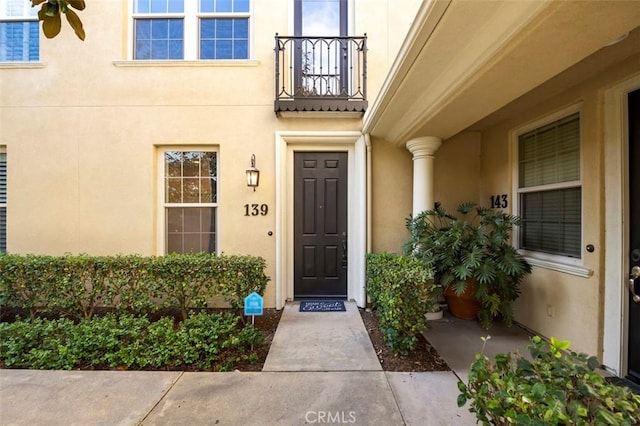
(471, 257)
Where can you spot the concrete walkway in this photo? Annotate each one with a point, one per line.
(327, 377)
(321, 341)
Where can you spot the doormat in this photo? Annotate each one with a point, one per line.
(322, 306)
(624, 382)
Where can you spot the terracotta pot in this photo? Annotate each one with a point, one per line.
(464, 306)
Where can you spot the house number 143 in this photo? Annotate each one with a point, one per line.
(256, 209)
(499, 201)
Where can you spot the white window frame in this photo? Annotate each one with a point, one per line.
(555, 262)
(3, 150)
(161, 230)
(29, 14)
(191, 17)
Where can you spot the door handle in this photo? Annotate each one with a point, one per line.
(635, 273)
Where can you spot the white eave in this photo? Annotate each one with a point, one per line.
(463, 59)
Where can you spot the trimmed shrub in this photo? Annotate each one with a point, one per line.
(77, 285)
(212, 342)
(402, 291)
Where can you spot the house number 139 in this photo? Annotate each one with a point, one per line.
(256, 209)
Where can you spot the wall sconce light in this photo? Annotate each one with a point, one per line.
(253, 174)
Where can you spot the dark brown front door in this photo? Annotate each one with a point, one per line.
(633, 344)
(320, 225)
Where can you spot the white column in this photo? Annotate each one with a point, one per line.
(423, 150)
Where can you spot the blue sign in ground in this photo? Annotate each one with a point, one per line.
(322, 306)
(253, 304)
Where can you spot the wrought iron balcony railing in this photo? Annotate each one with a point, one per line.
(321, 74)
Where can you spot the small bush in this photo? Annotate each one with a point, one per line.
(402, 292)
(213, 342)
(557, 387)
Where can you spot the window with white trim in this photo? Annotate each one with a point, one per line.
(19, 32)
(550, 188)
(191, 29)
(190, 201)
(3, 200)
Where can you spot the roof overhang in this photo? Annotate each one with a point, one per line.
(463, 60)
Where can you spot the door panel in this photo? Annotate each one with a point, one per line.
(633, 359)
(320, 224)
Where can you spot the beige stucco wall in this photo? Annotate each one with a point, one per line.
(83, 132)
(555, 303)
(456, 170)
(391, 196)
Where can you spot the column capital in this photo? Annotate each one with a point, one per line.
(424, 146)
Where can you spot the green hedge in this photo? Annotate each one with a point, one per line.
(77, 285)
(402, 291)
(213, 342)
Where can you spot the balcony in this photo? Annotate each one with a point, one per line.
(323, 74)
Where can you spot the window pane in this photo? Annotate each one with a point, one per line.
(3, 229)
(191, 164)
(158, 6)
(223, 50)
(3, 202)
(224, 38)
(552, 221)
(190, 177)
(176, 6)
(241, 6)
(159, 39)
(192, 220)
(206, 49)
(3, 178)
(223, 6)
(320, 18)
(176, 50)
(207, 28)
(240, 50)
(143, 6)
(191, 229)
(173, 193)
(160, 29)
(206, 6)
(550, 154)
(159, 49)
(19, 41)
(17, 8)
(175, 220)
(190, 190)
(240, 28)
(224, 28)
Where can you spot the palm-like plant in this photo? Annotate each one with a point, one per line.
(476, 247)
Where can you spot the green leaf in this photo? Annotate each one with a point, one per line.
(561, 345)
(75, 23)
(606, 417)
(462, 400)
(51, 25)
(51, 9)
(77, 4)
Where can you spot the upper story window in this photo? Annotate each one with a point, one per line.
(190, 29)
(550, 188)
(19, 31)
